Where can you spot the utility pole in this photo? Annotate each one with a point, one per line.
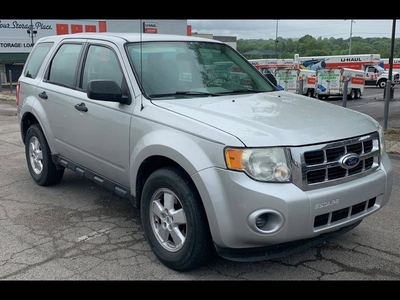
(276, 40)
(389, 82)
(31, 32)
(351, 33)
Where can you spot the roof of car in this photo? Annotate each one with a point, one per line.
(127, 36)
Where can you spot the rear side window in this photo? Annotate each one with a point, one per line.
(36, 59)
(64, 64)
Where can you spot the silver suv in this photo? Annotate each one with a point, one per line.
(215, 157)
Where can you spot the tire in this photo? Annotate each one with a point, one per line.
(310, 93)
(358, 94)
(382, 83)
(41, 167)
(352, 94)
(177, 231)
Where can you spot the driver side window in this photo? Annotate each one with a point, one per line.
(101, 63)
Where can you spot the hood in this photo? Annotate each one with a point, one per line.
(386, 72)
(277, 118)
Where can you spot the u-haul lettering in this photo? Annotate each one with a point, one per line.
(350, 59)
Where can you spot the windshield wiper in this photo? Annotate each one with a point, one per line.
(188, 93)
(244, 91)
(196, 93)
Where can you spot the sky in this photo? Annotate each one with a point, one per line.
(292, 28)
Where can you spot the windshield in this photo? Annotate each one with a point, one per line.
(177, 69)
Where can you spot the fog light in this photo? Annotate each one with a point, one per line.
(262, 221)
(266, 221)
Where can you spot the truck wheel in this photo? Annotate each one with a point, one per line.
(358, 94)
(174, 220)
(352, 94)
(41, 167)
(382, 83)
(310, 93)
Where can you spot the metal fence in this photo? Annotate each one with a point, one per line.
(4, 85)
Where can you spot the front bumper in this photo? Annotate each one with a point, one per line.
(235, 203)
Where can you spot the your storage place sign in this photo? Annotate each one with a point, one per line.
(14, 35)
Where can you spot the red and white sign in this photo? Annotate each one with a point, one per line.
(149, 27)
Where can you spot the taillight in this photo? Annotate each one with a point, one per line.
(17, 94)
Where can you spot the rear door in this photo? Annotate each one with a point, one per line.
(328, 81)
(54, 94)
(286, 80)
(93, 134)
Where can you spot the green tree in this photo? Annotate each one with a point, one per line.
(310, 46)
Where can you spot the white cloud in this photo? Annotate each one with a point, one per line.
(291, 28)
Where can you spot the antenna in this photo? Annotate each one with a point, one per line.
(141, 61)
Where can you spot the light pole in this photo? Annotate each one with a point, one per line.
(31, 32)
(276, 40)
(351, 33)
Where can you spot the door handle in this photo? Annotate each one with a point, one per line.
(81, 107)
(43, 95)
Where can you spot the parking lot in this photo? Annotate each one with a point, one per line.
(372, 103)
(77, 230)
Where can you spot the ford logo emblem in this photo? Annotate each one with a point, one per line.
(349, 161)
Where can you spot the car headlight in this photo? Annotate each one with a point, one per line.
(382, 140)
(264, 164)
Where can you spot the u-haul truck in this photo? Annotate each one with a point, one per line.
(296, 81)
(369, 63)
(270, 65)
(385, 64)
(331, 82)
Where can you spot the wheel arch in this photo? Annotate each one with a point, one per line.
(36, 115)
(27, 120)
(146, 168)
(170, 148)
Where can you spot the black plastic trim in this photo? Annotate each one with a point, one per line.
(280, 250)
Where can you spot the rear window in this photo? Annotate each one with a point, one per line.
(64, 64)
(36, 59)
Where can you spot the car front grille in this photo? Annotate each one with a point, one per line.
(317, 166)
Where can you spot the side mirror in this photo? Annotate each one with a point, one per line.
(106, 90)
